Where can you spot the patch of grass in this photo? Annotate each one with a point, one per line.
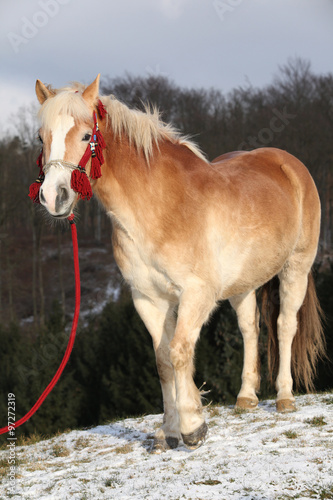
(84, 481)
(33, 438)
(123, 450)
(5, 465)
(60, 450)
(24, 441)
(239, 411)
(213, 411)
(81, 442)
(113, 482)
(318, 491)
(36, 466)
(326, 492)
(291, 434)
(76, 463)
(208, 482)
(49, 488)
(316, 421)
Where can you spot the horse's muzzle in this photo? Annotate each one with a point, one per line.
(56, 200)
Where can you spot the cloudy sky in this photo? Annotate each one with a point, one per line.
(196, 43)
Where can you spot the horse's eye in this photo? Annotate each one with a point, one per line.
(87, 138)
(40, 139)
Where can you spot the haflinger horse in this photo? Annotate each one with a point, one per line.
(188, 233)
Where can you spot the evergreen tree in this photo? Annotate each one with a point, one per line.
(115, 362)
(219, 355)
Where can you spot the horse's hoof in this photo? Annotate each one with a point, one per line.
(285, 406)
(246, 403)
(162, 445)
(196, 438)
(172, 442)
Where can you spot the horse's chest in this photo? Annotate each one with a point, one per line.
(141, 269)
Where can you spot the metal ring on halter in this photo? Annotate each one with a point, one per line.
(59, 163)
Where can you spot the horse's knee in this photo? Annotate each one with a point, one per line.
(164, 368)
(181, 354)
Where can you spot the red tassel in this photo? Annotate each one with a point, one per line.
(95, 171)
(34, 191)
(97, 158)
(101, 109)
(100, 138)
(85, 157)
(99, 154)
(80, 184)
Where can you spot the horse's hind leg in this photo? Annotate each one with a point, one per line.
(292, 290)
(160, 321)
(248, 321)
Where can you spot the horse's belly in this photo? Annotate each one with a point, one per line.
(249, 271)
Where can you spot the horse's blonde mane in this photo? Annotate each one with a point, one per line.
(143, 129)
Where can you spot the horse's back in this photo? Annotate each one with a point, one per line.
(274, 211)
(274, 167)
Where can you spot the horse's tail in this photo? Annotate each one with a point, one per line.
(309, 342)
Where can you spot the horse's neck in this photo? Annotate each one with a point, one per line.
(123, 187)
(144, 197)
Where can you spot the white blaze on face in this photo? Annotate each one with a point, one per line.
(56, 175)
(59, 131)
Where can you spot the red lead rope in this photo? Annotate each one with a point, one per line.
(71, 337)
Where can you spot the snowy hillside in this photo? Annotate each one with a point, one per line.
(253, 455)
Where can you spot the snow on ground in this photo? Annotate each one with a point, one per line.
(247, 455)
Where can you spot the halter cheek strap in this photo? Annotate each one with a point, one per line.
(79, 179)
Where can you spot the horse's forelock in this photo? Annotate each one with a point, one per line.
(66, 101)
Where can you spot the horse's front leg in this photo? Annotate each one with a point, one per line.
(195, 306)
(160, 320)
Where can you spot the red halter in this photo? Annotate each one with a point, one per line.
(79, 179)
(80, 183)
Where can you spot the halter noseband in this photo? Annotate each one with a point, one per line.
(79, 179)
(59, 163)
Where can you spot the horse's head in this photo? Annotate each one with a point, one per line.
(67, 124)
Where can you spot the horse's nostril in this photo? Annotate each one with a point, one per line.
(63, 194)
(61, 198)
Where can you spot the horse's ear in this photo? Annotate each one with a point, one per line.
(90, 94)
(42, 92)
